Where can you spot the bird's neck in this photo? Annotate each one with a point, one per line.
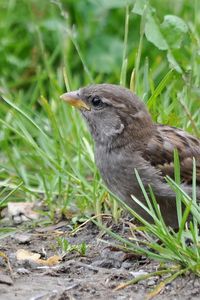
(135, 136)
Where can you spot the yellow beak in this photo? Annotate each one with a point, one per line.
(74, 99)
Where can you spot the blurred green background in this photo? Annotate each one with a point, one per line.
(47, 47)
(33, 29)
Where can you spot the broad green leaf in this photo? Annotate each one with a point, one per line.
(104, 54)
(139, 6)
(173, 29)
(173, 63)
(153, 33)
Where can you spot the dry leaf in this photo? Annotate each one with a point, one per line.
(51, 261)
(27, 255)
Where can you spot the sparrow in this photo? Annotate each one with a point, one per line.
(126, 139)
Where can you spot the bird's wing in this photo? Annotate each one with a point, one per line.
(160, 152)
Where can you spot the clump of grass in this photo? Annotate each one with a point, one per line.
(66, 247)
(44, 161)
(179, 251)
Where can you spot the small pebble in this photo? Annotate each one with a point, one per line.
(196, 284)
(6, 279)
(127, 265)
(107, 263)
(114, 255)
(22, 238)
(23, 271)
(151, 282)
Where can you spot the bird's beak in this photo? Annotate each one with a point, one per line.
(74, 99)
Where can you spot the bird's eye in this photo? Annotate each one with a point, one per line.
(96, 101)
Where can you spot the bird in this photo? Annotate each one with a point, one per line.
(126, 139)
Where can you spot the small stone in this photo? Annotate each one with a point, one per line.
(196, 284)
(127, 265)
(5, 279)
(23, 271)
(107, 263)
(195, 292)
(21, 211)
(22, 238)
(151, 282)
(168, 287)
(114, 255)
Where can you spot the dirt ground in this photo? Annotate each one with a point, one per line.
(93, 276)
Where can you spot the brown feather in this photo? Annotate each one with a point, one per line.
(160, 152)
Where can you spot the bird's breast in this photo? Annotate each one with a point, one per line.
(117, 171)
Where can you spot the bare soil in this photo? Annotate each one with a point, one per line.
(93, 276)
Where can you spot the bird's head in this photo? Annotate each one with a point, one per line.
(113, 113)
